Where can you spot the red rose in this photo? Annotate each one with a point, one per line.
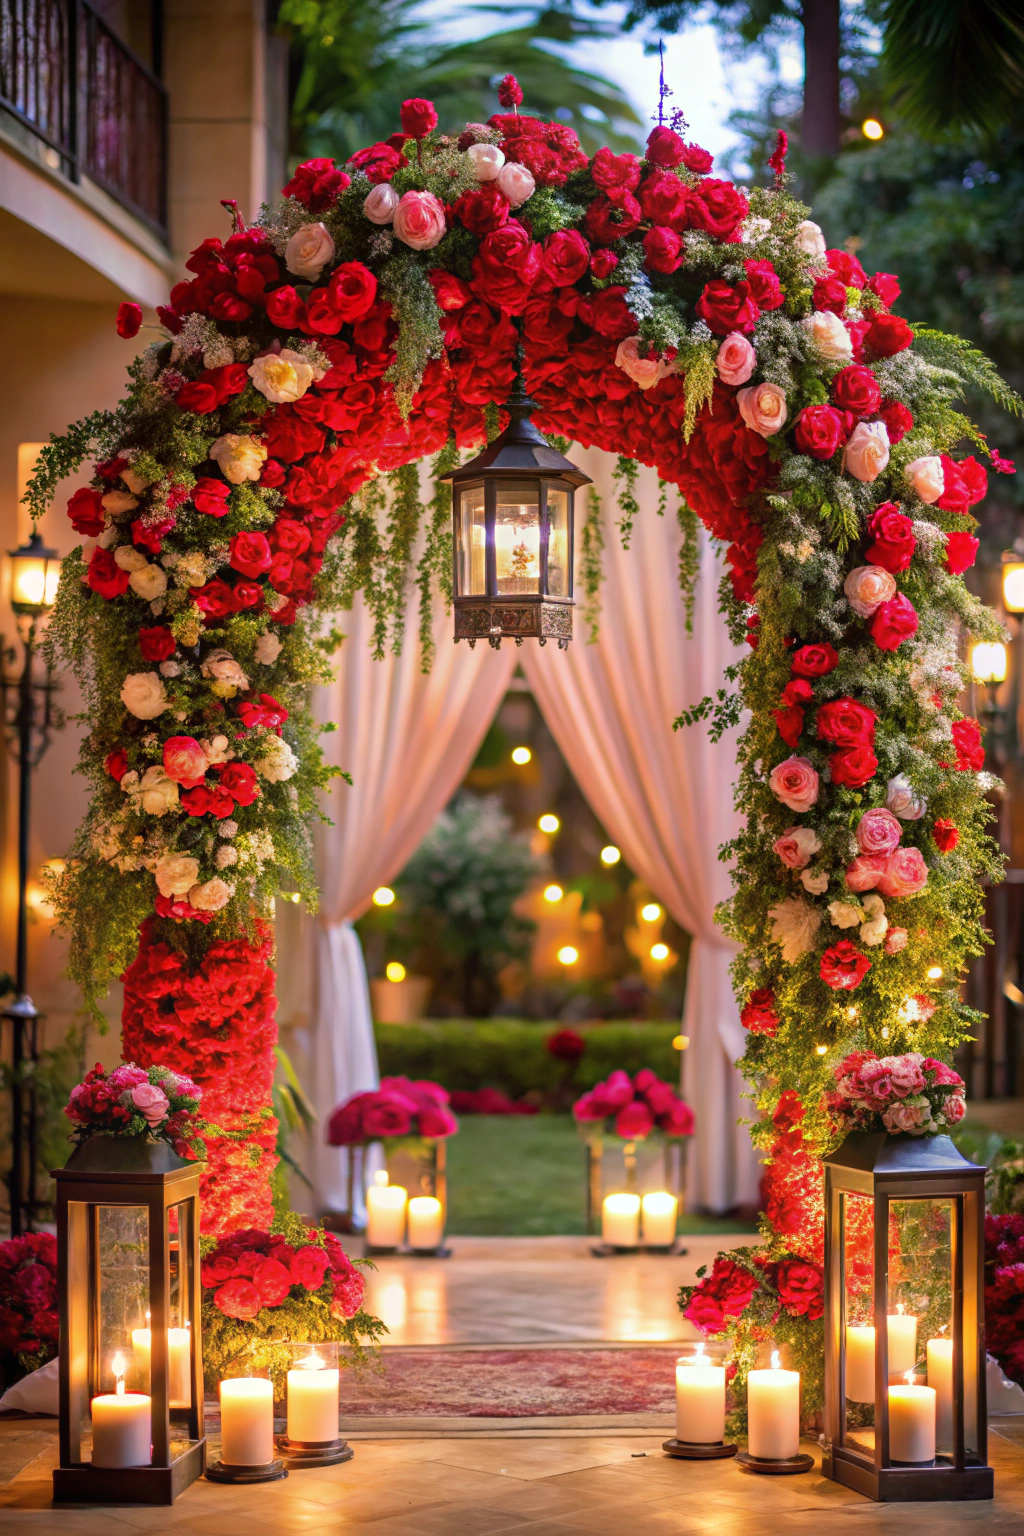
(819, 431)
(846, 723)
(247, 594)
(894, 622)
(722, 208)
(610, 315)
(797, 691)
(378, 162)
(388, 1114)
(664, 250)
(207, 800)
(85, 509)
(662, 196)
(198, 396)
(725, 1293)
(814, 660)
(612, 215)
(317, 185)
(285, 309)
(898, 420)
(727, 307)
(853, 766)
(856, 389)
(353, 290)
(565, 257)
(603, 263)
(964, 484)
(961, 552)
(116, 764)
(105, 576)
(262, 711)
(846, 268)
(289, 537)
(801, 1288)
(789, 722)
(885, 287)
(946, 835)
(843, 966)
(759, 1015)
(697, 159)
(610, 171)
(665, 148)
(240, 782)
(211, 496)
(151, 535)
(887, 335)
(347, 1294)
(272, 1281)
(250, 553)
(829, 293)
(565, 1045)
(238, 1298)
(217, 1268)
(894, 537)
(483, 209)
(506, 266)
(156, 643)
(418, 117)
(765, 288)
(308, 1267)
(970, 754)
(216, 599)
(450, 293)
(129, 319)
(788, 1111)
(634, 1121)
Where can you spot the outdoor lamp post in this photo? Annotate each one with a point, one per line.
(35, 572)
(1013, 582)
(512, 508)
(905, 1413)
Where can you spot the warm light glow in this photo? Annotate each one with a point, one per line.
(822, 1050)
(885, 1032)
(610, 855)
(935, 973)
(292, 896)
(872, 129)
(698, 1358)
(312, 1361)
(909, 1376)
(659, 951)
(651, 912)
(549, 823)
(568, 955)
(775, 1359)
(383, 896)
(851, 1012)
(35, 572)
(119, 1365)
(988, 661)
(553, 893)
(394, 970)
(1013, 586)
(521, 755)
(680, 1042)
(380, 1178)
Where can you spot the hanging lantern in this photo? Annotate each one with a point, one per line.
(513, 514)
(905, 1413)
(131, 1375)
(35, 573)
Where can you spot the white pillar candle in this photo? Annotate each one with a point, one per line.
(911, 1422)
(385, 1215)
(658, 1214)
(860, 1363)
(313, 1400)
(121, 1425)
(620, 1220)
(141, 1345)
(940, 1376)
(426, 1222)
(246, 1421)
(179, 1362)
(700, 1400)
(773, 1412)
(902, 1329)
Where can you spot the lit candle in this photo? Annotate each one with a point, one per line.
(658, 1211)
(940, 1376)
(246, 1421)
(426, 1222)
(860, 1363)
(773, 1412)
(385, 1213)
(179, 1362)
(902, 1330)
(911, 1422)
(620, 1220)
(121, 1425)
(700, 1400)
(313, 1398)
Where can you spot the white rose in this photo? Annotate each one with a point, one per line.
(281, 376)
(807, 237)
(149, 582)
(308, 252)
(877, 926)
(795, 924)
(211, 896)
(926, 477)
(143, 695)
(129, 558)
(279, 761)
(240, 457)
(516, 183)
(844, 914)
(487, 161)
(867, 452)
(227, 675)
(134, 482)
(119, 501)
(268, 649)
(104, 540)
(225, 856)
(217, 750)
(380, 203)
(158, 793)
(901, 799)
(176, 874)
(817, 885)
(829, 335)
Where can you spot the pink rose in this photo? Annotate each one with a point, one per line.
(867, 452)
(185, 761)
(617, 1089)
(795, 783)
(876, 1081)
(515, 183)
(905, 1073)
(906, 1117)
(906, 873)
(736, 359)
(867, 587)
(645, 371)
(763, 408)
(380, 203)
(797, 847)
(954, 1109)
(436, 1122)
(943, 1076)
(926, 477)
(590, 1107)
(878, 831)
(634, 1121)
(866, 871)
(419, 220)
(151, 1102)
(895, 940)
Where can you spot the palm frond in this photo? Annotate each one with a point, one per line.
(954, 64)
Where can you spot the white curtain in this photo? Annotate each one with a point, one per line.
(408, 739)
(664, 796)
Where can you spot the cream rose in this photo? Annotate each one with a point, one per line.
(176, 874)
(817, 884)
(211, 896)
(129, 558)
(268, 649)
(278, 762)
(134, 482)
(281, 376)
(240, 456)
(487, 160)
(308, 252)
(218, 750)
(829, 336)
(645, 371)
(380, 203)
(795, 925)
(874, 930)
(191, 570)
(225, 856)
(736, 359)
(143, 695)
(797, 847)
(516, 183)
(843, 914)
(926, 477)
(149, 582)
(807, 237)
(225, 672)
(763, 408)
(157, 793)
(867, 452)
(419, 221)
(119, 501)
(866, 587)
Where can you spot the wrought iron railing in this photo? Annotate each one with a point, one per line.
(70, 80)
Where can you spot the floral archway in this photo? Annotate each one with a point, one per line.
(379, 315)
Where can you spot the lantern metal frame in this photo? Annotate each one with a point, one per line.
(518, 453)
(888, 1168)
(131, 1172)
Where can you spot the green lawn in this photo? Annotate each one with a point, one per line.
(525, 1176)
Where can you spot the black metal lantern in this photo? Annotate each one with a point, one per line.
(35, 572)
(513, 513)
(131, 1364)
(905, 1412)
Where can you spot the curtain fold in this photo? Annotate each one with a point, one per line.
(665, 797)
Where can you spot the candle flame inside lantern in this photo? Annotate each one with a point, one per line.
(775, 1359)
(312, 1362)
(909, 1377)
(900, 1308)
(700, 1353)
(381, 1177)
(117, 1365)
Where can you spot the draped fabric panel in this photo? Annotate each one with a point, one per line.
(664, 796)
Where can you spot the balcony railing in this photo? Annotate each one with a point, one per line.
(70, 80)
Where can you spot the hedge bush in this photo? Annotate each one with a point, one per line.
(510, 1054)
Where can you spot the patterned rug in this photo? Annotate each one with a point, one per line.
(514, 1383)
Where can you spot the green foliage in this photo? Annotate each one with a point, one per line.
(589, 569)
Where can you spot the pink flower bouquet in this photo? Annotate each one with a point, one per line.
(137, 1101)
(634, 1107)
(397, 1108)
(909, 1094)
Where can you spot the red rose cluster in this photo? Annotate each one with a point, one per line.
(634, 1107)
(1004, 1292)
(795, 1285)
(29, 1322)
(398, 1108)
(489, 1101)
(252, 1269)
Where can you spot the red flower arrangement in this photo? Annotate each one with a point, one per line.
(634, 1107)
(1004, 1292)
(398, 1108)
(489, 1101)
(137, 1101)
(911, 1093)
(29, 1322)
(252, 1269)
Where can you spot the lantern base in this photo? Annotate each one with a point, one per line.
(907, 1484)
(611, 1250)
(698, 1450)
(772, 1466)
(222, 1472)
(513, 618)
(313, 1453)
(86, 1484)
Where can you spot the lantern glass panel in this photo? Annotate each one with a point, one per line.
(858, 1319)
(179, 1321)
(921, 1289)
(558, 542)
(471, 555)
(517, 537)
(123, 1303)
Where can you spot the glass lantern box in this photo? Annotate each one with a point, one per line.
(649, 1172)
(905, 1412)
